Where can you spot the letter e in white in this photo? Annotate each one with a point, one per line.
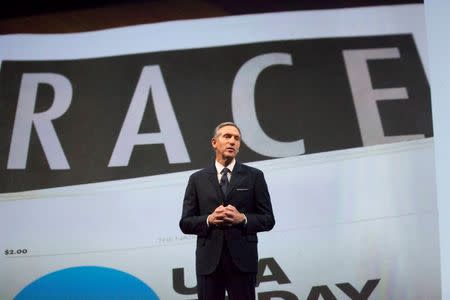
(365, 97)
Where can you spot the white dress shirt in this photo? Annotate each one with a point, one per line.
(219, 168)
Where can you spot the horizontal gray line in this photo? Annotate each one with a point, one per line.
(192, 239)
(88, 252)
(428, 212)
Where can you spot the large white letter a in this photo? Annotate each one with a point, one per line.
(170, 135)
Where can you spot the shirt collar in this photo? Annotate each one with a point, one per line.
(219, 166)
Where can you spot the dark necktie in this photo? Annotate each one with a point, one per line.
(224, 181)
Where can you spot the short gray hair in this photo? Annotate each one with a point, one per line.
(216, 130)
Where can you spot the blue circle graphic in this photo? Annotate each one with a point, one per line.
(87, 283)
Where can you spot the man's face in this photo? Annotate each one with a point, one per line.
(226, 143)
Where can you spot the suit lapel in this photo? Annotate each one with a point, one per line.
(236, 178)
(212, 176)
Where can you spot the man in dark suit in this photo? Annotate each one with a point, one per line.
(225, 205)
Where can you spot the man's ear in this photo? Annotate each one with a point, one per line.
(213, 142)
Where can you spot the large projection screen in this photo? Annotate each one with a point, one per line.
(439, 45)
(101, 130)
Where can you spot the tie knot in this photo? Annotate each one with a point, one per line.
(225, 171)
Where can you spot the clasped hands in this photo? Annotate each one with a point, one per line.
(226, 216)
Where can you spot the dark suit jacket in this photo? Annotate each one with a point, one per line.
(248, 193)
